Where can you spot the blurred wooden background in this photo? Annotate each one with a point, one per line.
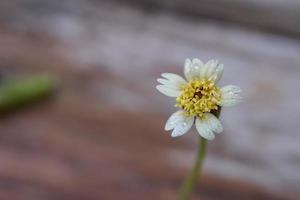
(101, 135)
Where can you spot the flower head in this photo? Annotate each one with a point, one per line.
(198, 97)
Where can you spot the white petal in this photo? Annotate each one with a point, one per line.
(212, 69)
(163, 81)
(183, 126)
(197, 63)
(207, 68)
(231, 95)
(180, 123)
(213, 123)
(209, 125)
(218, 73)
(204, 129)
(187, 68)
(174, 78)
(168, 91)
(168, 83)
(174, 119)
(192, 68)
(211, 66)
(172, 81)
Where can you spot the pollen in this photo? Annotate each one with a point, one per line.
(199, 97)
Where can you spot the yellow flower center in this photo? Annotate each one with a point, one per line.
(198, 97)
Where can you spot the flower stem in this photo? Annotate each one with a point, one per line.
(191, 180)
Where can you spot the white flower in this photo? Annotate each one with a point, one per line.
(198, 97)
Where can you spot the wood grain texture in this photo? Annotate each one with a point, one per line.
(101, 136)
(57, 151)
(274, 16)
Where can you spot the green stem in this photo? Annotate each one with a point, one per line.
(191, 180)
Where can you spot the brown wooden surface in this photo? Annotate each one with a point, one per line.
(65, 148)
(72, 147)
(271, 15)
(101, 135)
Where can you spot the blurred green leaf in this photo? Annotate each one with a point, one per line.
(18, 92)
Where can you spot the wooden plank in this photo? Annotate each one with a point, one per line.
(275, 16)
(102, 137)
